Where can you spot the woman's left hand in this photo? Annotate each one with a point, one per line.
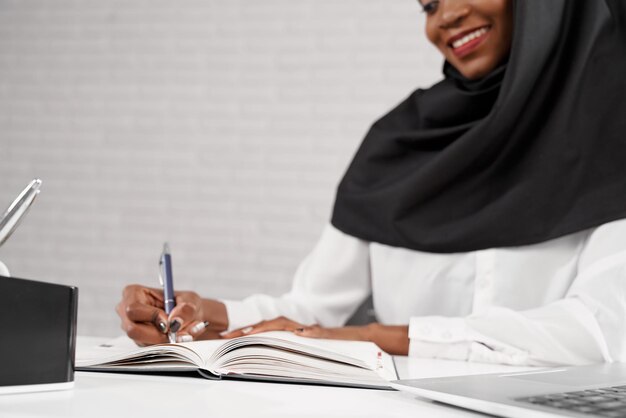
(393, 339)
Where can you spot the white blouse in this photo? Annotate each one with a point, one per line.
(558, 302)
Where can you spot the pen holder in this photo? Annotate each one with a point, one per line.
(38, 335)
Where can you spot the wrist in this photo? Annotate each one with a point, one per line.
(394, 339)
(214, 312)
(370, 332)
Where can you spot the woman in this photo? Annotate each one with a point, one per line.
(485, 214)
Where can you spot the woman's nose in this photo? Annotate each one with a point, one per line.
(453, 12)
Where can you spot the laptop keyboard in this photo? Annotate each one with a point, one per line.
(602, 402)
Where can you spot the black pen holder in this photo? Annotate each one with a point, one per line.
(38, 335)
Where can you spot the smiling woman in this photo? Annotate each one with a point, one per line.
(486, 215)
(474, 36)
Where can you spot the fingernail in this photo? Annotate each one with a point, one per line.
(246, 330)
(199, 327)
(184, 338)
(174, 325)
(162, 327)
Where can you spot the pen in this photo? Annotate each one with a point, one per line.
(167, 281)
(12, 216)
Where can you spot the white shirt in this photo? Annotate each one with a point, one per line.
(558, 302)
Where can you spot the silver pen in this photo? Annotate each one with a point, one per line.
(16, 211)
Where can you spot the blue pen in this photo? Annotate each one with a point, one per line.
(167, 281)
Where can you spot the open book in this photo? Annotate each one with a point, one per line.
(271, 356)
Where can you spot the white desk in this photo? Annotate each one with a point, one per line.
(106, 395)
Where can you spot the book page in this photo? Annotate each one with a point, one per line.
(123, 354)
(263, 361)
(359, 354)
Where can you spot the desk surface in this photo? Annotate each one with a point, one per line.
(122, 395)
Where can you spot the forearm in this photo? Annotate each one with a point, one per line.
(560, 333)
(329, 285)
(393, 339)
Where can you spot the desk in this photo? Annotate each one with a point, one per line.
(107, 395)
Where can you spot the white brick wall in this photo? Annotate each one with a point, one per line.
(222, 127)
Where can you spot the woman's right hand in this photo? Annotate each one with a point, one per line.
(145, 321)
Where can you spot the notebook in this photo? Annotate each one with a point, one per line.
(272, 356)
(597, 390)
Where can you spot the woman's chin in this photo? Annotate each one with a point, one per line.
(476, 68)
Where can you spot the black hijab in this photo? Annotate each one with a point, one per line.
(534, 151)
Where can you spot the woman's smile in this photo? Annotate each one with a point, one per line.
(467, 42)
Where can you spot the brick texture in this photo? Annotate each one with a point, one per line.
(221, 127)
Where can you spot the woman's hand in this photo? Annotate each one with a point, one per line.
(145, 321)
(278, 324)
(394, 339)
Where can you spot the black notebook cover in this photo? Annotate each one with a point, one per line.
(38, 336)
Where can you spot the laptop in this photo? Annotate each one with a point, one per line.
(597, 390)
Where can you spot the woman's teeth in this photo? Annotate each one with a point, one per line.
(469, 37)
